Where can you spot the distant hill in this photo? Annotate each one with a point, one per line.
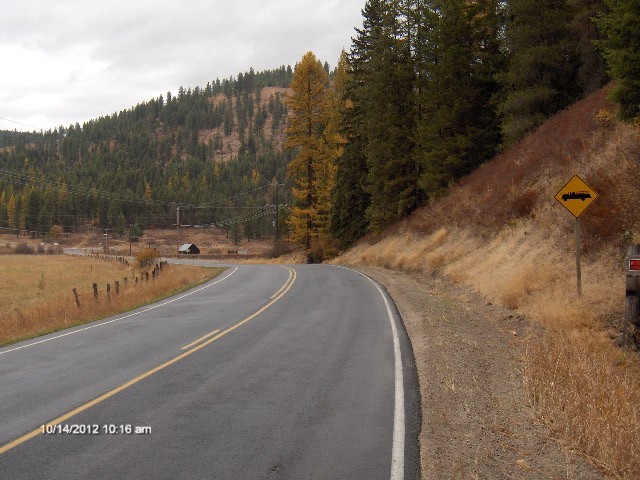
(194, 148)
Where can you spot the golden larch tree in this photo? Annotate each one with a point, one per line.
(11, 212)
(312, 171)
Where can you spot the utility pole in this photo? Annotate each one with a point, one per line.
(178, 219)
(278, 185)
(106, 241)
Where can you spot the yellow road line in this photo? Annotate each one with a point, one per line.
(285, 284)
(135, 380)
(199, 340)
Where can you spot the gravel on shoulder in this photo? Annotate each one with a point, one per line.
(477, 421)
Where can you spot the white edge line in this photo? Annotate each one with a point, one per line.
(121, 318)
(397, 448)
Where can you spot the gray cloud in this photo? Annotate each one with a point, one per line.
(71, 60)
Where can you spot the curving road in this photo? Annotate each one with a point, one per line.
(300, 372)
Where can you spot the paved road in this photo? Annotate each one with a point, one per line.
(265, 372)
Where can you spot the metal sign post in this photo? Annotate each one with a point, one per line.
(578, 259)
(576, 196)
(632, 293)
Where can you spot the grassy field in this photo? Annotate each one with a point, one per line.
(36, 291)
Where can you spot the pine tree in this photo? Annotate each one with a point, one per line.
(3, 209)
(621, 47)
(381, 118)
(592, 73)
(386, 95)
(458, 126)
(121, 224)
(350, 198)
(541, 77)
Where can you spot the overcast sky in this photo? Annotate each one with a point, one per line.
(68, 61)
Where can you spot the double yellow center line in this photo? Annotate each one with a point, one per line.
(274, 298)
(204, 337)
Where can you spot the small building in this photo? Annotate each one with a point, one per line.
(189, 249)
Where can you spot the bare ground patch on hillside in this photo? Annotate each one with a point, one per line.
(477, 421)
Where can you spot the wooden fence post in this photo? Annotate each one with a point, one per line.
(117, 283)
(75, 294)
(108, 292)
(95, 291)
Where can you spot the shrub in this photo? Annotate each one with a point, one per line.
(321, 250)
(147, 257)
(24, 249)
(56, 231)
(54, 250)
(280, 247)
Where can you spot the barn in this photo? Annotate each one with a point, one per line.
(189, 249)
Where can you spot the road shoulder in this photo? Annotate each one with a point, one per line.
(476, 418)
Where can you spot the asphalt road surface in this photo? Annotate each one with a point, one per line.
(266, 372)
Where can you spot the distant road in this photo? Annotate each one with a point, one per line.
(299, 372)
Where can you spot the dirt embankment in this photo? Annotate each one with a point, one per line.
(477, 419)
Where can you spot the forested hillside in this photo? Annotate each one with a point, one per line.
(436, 88)
(216, 152)
(427, 93)
(431, 90)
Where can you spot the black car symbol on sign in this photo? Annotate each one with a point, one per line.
(576, 196)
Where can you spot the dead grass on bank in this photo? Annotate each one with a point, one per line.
(588, 393)
(501, 232)
(37, 295)
(585, 389)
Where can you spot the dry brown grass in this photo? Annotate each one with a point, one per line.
(588, 392)
(36, 291)
(502, 232)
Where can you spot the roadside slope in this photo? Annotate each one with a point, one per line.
(501, 233)
(477, 421)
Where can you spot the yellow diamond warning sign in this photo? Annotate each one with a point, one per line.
(576, 196)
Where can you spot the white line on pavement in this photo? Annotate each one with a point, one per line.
(119, 318)
(397, 447)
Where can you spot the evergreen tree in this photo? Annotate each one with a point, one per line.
(350, 197)
(3, 209)
(121, 224)
(458, 127)
(621, 47)
(541, 76)
(592, 70)
(45, 219)
(385, 95)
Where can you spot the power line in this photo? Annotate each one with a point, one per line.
(24, 180)
(20, 123)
